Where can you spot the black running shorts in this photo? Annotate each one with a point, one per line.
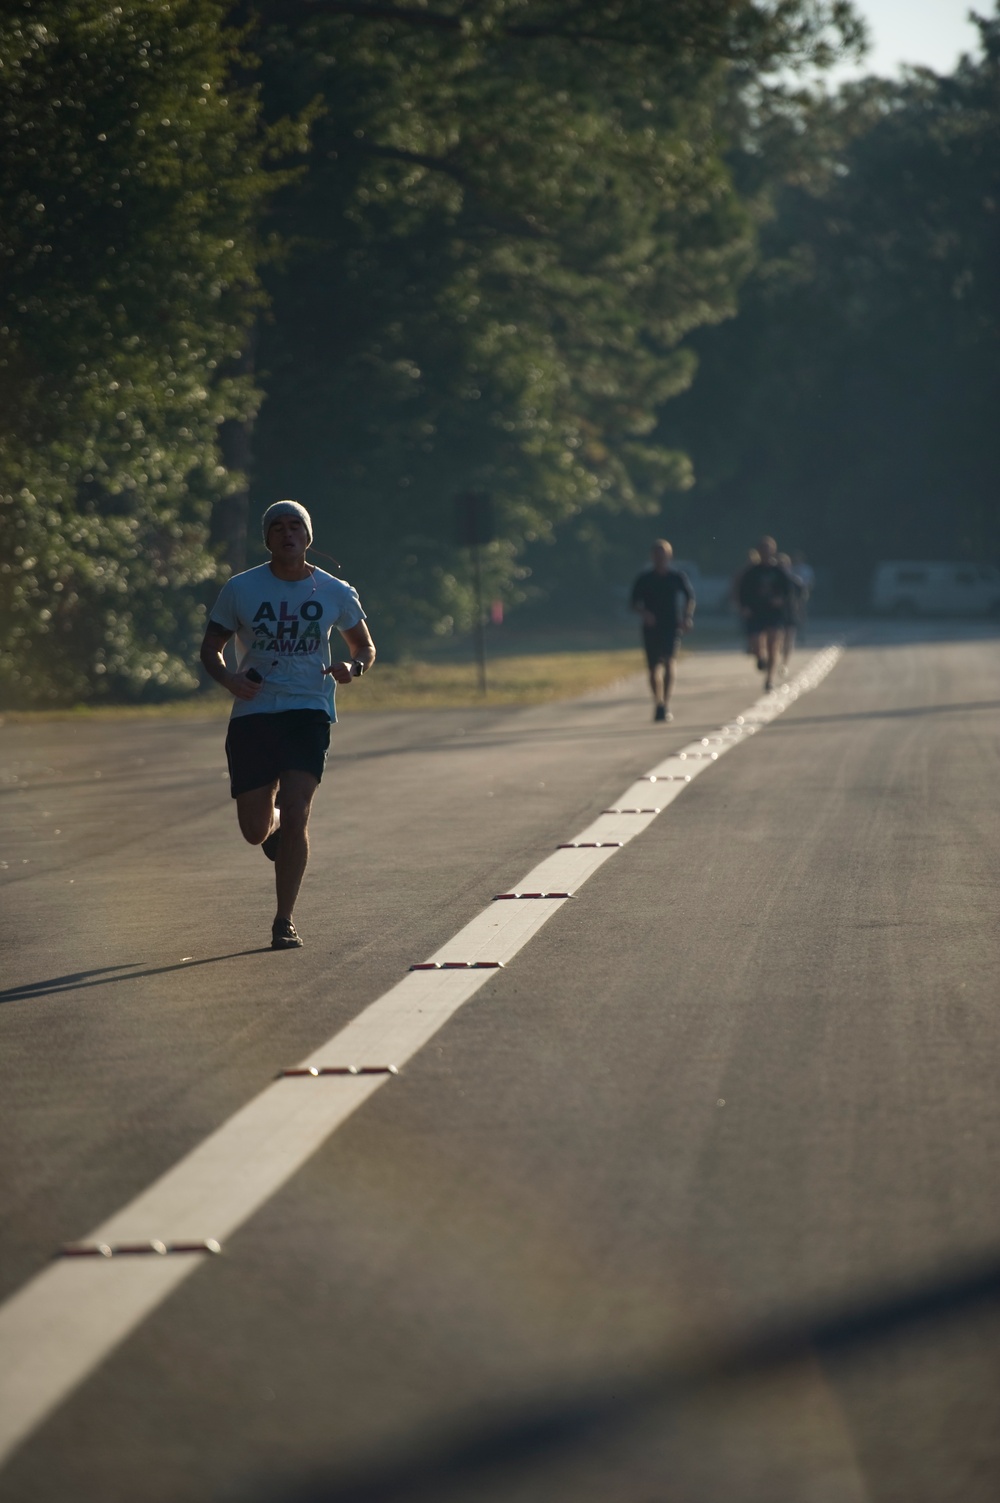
(660, 643)
(259, 748)
(766, 620)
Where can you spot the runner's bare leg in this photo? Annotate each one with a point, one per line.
(772, 651)
(668, 680)
(297, 790)
(255, 812)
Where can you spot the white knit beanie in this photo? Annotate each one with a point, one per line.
(286, 509)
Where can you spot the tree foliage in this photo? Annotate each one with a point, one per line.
(852, 406)
(514, 215)
(131, 179)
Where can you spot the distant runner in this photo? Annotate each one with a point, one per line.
(793, 612)
(764, 594)
(657, 596)
(804, 572)
(283, 613)
(753, 557)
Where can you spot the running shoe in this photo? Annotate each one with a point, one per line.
(660, 713)
(270, 845)
(768, 686)
(284, 935)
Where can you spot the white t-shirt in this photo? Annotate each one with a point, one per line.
(283, 630)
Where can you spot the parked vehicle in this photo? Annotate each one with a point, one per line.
(936, 589)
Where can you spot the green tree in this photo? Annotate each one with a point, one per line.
(515, 214)
(131, 182)
(852, 406)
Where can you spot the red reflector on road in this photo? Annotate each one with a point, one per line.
(630, 811)
(140, 1249)
(458, 965)
(589, 845)
(317, 1070)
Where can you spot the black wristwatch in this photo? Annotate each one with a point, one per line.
(357, 668)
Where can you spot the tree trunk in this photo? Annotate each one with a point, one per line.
(229, 515)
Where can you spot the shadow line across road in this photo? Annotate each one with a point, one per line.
(906, 712)
(542, 1432)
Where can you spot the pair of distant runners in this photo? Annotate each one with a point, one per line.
(282, 615)
(771, 597)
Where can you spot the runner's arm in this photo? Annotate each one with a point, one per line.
(214, 664)
(687, 621)
(358, 639)
(638, 604)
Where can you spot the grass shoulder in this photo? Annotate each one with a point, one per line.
(517, 679)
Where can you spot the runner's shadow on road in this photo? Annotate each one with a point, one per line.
(905, 712)
(81, 980)
(477, 1455)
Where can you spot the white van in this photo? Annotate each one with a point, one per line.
(936, 589)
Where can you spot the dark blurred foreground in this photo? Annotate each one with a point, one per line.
(908, 1334)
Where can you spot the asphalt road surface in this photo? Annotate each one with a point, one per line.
(695, 1200)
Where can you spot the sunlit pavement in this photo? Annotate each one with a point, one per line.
(693, 1200)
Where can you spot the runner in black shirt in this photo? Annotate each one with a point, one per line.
(657, 595)
(753, 557)
(765, 596)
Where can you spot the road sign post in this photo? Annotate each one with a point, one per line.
(474, 528)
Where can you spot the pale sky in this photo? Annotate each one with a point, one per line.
(933, 33)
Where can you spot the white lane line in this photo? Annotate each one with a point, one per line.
(66, 1320)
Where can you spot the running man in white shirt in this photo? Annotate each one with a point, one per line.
(282, 614)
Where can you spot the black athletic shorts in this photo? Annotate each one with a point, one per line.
(259, 748)
(766, 620)
(660, 642)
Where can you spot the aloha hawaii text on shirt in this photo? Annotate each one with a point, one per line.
(283, 630)
(281, 633)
